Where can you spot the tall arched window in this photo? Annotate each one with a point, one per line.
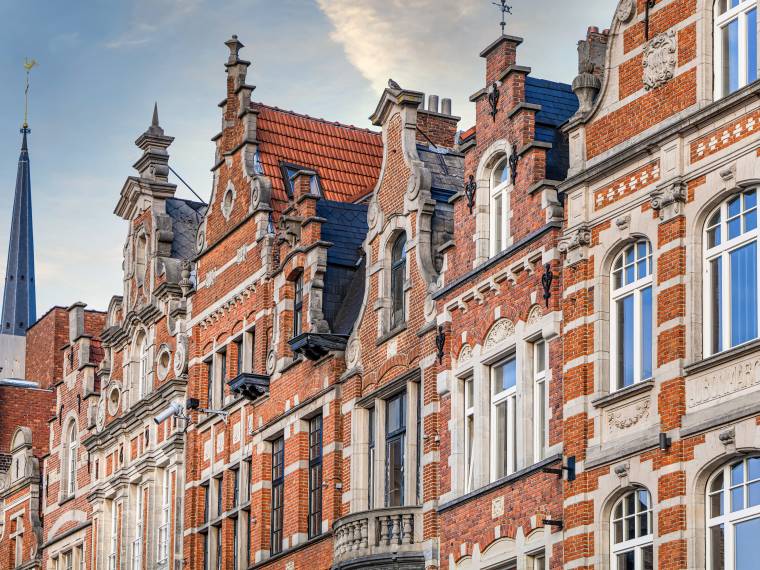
(731, 265)
(398, 276)
(735, 45)
(632, 533)
(733, 516)
(143, 368)
(499, 205)
(71, 459)
(631, 315)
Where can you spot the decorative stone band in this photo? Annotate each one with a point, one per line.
(725, 136)
(627, 185)
(723, 383)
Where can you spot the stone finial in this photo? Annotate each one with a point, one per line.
(155, 128)
(235, 46)
(586, 87)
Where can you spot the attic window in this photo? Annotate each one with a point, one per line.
(289, 172)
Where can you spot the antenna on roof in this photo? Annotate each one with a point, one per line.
(28, 65)
(505, 9)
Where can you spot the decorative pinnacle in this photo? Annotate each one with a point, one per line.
(155, 127)
(28, 65)
(505, 9)
(234, 45)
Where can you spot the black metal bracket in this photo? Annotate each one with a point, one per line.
(440, 343)
(514, 159)
(469, 191)
(665, 442)
(559, 472)
(649, 5)
(493, 99)
(546, 282)
(553, 522)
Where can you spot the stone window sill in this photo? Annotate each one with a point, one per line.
(723, 357)
(624, 394)
(390, 334)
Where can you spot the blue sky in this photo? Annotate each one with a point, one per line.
(104, 62)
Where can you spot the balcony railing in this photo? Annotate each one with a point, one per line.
(394, 532)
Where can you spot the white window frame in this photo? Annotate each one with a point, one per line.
(638, 543)
(540, 400)
(721, 21)
(510, 397)
(163, 530)
(635, 288)
(114, 538)
(502, 192)
(723, 251)
(468, 399)
(143, 369)
(729, 519)
(71, 460)
(137, 542)
(18, 541)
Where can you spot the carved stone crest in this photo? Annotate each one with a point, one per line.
(660, 60)
(501, 331)
(626, 10)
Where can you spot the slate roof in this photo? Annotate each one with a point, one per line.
(186, 215)
(345, 227)
(347, 159)
(446, 168)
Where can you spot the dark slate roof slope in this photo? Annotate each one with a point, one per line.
(558, 103)
(345, 227)
(186, 216)
(447, 170)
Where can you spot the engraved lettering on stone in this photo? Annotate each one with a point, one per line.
(501, 331)
(723, 382)
(660, 60)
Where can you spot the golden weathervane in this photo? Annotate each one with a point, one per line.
(28, 65)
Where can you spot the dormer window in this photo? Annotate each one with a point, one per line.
(735, 45)
(499, 205)
(289, 172)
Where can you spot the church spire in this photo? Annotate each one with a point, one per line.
(19, 298)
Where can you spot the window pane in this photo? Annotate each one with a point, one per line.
(505, 376)
(540, 356)
(717, 548)
(752, 45)
(646, 333)
(737, 473)
(744, 294)
(625, 341)
(713, 237)
(716, 504)
(716, 270)
(734, 207)
(737, 499)
(730, 39)
(618, 532)
(647, 558)
(500, 440)
(746, 552)
(497, 223)
(754, 494)
(753, 466)
(626, 561)
(395, 472)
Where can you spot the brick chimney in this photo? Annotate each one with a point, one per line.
(437, 125)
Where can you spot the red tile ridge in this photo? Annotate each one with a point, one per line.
(319, 120)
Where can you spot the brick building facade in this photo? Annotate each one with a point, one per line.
(528, 345)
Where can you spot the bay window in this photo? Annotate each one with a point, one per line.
(632, 532)
(735, 36)
(733, 516)
(503, 418)
(499, 205)
(631, 316)
(731, 279)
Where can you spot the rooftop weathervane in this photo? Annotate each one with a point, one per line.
(28, 65)
(505, 9)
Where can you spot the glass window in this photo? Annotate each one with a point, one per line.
(114, 537)
(503, 418)
(731, 262)
(631, 315)
(298, 306)
(205, 489)
(278, 494)
(632, 533)
(219, 488)
(222, 358)
(163, 530)
(144, 372)
(540, 401)
(137, 542)
(398, 276)
(209, 364)
(218, 535)
(735, 45)
(315, 476)
(371, 459)
(72, 460)
(238, 355)
(499, 205)
(469, 434)
(733, 516)
(235, 543)
(395, 437)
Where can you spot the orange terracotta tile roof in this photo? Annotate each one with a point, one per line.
(347, 159)
(467, 134)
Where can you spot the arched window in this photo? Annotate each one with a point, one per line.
(735, 45)
(632, 533)
(71, 459)
(731, 265)
(398, 276)
(733, 516)
(631, 315)
(499, 205)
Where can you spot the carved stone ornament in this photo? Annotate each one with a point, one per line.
(535, 315)
(727, 437)
(353, 352)
(261, 193)
(200, 238)
(180, 356)
(623, 419)
(626, 10)
(623, 222)
(100, 418)
(500, 332)
(373, 214)
(271, 362)
(668, 200)
(465, 354)
(622, 470)
(660, 60)
(580, 238)
(228, 201)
